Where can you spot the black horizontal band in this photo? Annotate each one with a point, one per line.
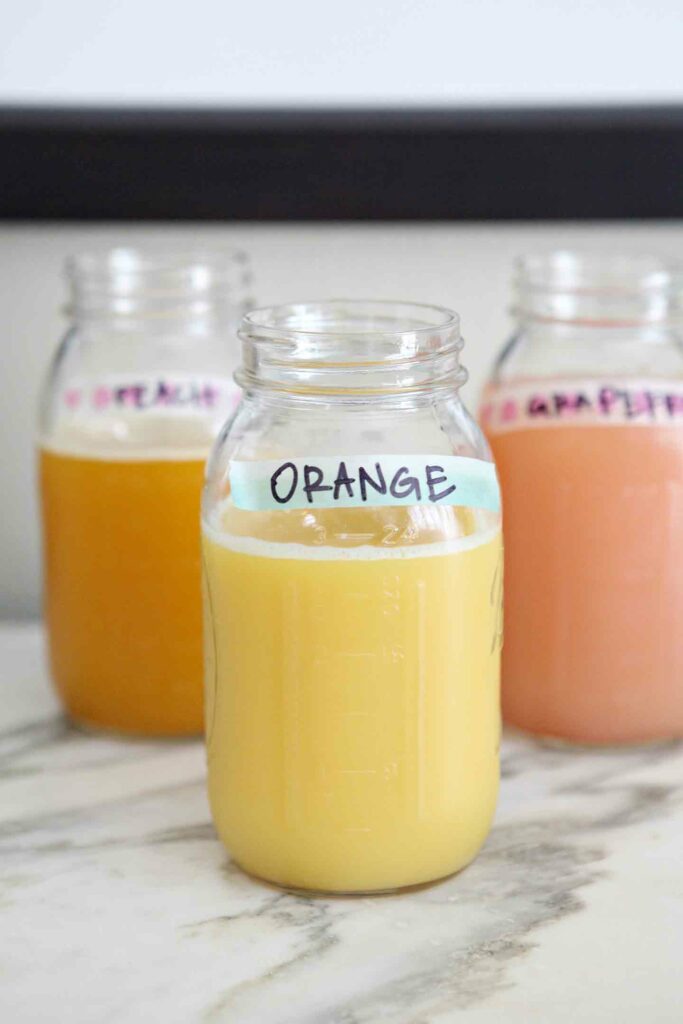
(367, 165)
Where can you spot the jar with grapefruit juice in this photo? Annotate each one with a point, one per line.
(135, 395)
(584, 413)
(352, 565)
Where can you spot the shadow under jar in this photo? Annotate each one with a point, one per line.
(584, 414)
(136, 393)
(352, 564)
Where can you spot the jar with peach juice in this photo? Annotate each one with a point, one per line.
(352, 565)
(135, 396)
(584, 413)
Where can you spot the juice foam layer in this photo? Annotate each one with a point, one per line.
(133, 438)
(487, 528)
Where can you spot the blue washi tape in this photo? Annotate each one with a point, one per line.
(372, 480)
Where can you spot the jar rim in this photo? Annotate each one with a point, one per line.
(335, 318)
(129, 286)
(347, 347)
(132, 261)
(598, 288)
(580, 271)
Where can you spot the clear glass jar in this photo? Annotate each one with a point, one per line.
(134, 398)
(352, 562)
(584, 413)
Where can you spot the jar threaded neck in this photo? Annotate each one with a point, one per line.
(598, 290)
(345, 348)
(128, 287)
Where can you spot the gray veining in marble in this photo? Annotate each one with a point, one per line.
(119, 905)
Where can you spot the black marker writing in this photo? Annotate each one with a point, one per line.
(343, 480)
(313, 477)
(276, 476)
(401, 488)
(364, 478)
(351, 483)
(433, 480)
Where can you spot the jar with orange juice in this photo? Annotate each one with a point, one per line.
(136, 393)
(352, 565)
(584, 413)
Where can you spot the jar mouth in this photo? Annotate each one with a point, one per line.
(129, 283)
(598, 288)
(350, 318)
(349, 345)
(120, 266)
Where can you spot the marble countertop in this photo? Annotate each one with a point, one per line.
(118, 904)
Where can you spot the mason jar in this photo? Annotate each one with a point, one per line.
(584, 412)
(134, 397)
(352, 561)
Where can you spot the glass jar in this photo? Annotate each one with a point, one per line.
(352, 561)
(584, 413)
(135, 396)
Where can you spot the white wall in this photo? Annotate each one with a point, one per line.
(341, 51)
(463, 267)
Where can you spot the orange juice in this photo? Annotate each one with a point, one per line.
(352, 696)
(122, 583)
(593, 519)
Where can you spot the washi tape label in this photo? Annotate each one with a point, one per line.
(554, 403)
(150, 393)
(371, 480)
